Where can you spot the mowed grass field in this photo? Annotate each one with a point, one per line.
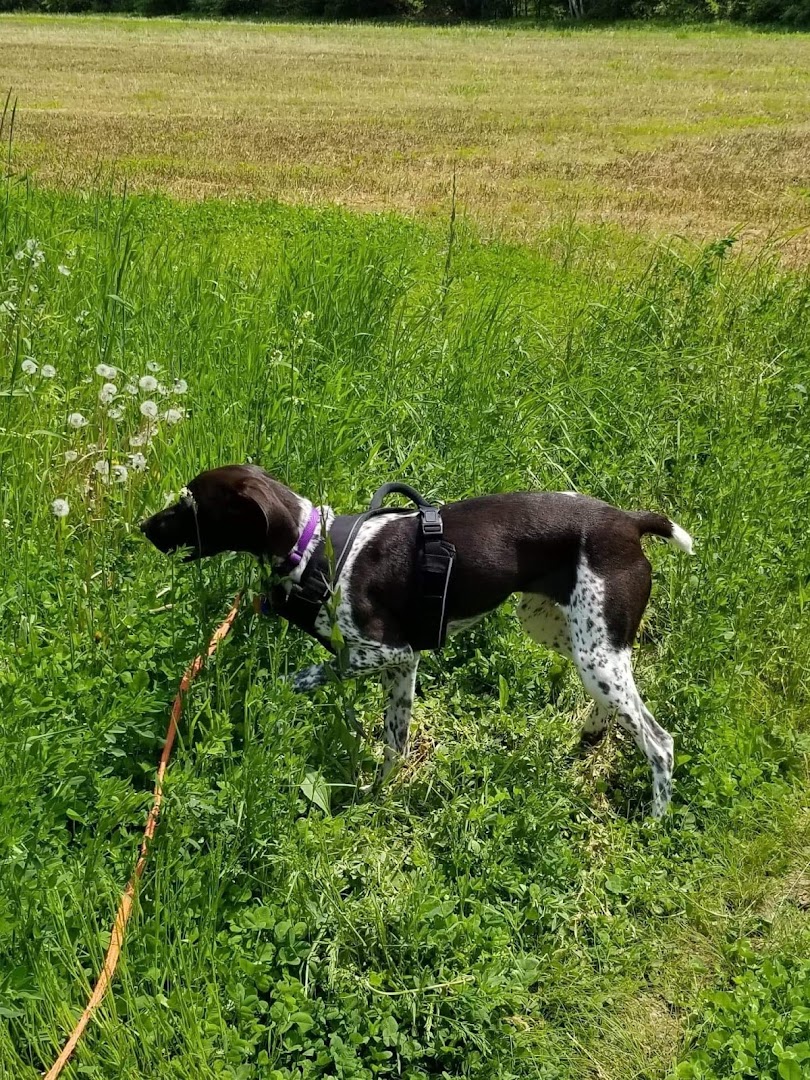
(504, 909)
(651, 130)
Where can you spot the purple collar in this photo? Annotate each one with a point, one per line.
(304, 540)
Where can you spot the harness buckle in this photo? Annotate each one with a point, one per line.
(431, 521)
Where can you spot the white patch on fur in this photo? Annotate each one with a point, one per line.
(681, 539)
(607, 675)
(571, 494)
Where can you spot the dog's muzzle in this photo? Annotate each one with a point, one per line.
(159, 531)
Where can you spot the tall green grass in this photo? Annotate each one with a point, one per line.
(505, 909)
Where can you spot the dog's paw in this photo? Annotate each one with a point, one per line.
(589, 740)
(302, 683)
(307, 679)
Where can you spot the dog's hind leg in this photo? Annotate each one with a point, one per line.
(547, 624)
(607, 675)
(608, 678)
(595, 725)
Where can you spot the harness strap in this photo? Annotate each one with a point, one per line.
(435, 562)
(435, 567)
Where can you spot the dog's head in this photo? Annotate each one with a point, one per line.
(233, 508)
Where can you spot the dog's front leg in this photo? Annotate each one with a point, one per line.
(359, 660)
(399, 685)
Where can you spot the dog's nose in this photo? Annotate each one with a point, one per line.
(142, 525)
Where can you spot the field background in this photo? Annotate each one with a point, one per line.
(504, 910)
(698, 131)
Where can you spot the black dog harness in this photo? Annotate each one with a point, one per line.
(301, 603)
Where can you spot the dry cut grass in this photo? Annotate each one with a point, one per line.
(651, 129)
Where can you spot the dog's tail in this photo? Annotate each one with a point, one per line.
(661, 526)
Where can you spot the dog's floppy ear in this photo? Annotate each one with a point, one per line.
(270, 522)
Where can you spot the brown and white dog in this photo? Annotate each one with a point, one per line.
(578, 563)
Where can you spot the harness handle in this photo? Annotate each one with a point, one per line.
(402, 489)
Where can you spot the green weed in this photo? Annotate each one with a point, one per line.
(504, 909)
(760, 1027)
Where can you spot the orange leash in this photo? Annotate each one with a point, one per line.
(125, 906)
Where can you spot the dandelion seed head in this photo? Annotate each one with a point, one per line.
(7, 308)
(149, 409)
(102, 467)
(180, 386)
(60, 508)
(120, 473)
(137, 462)
(33, 251)
(76, 420)
(138, 440)
(131, 389)
(47, 371)
(105, 371)
(173, 416)
(115, 413)
(148, 383)
(28, 366)
(71, 455)
(152, 366)
(107, 393)
(64, 270)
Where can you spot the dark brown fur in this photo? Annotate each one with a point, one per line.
(518, 542)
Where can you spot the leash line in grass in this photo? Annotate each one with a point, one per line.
(128, 896)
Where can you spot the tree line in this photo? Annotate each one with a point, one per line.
(794, 13)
